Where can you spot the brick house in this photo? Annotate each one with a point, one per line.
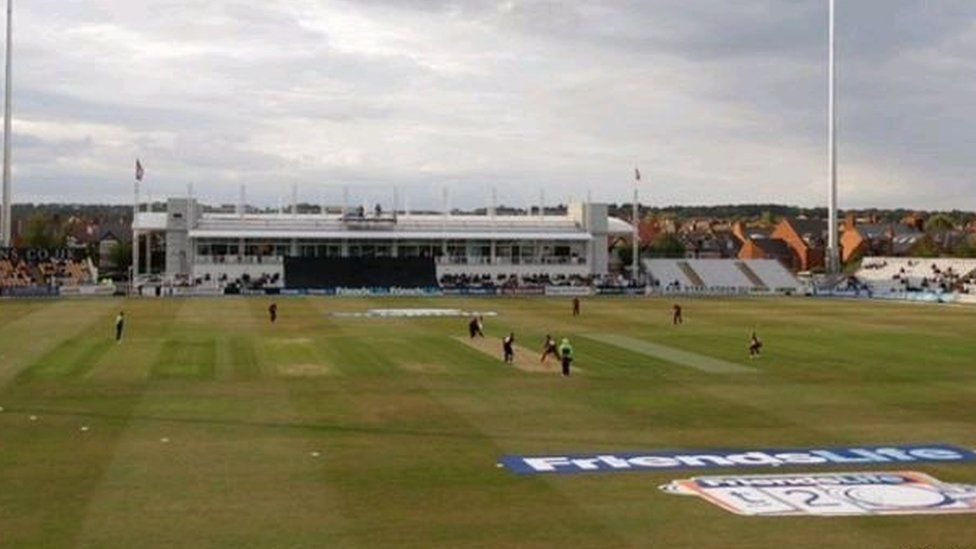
(806, 238)
(710, 245)
(767, 248)
(758, 243)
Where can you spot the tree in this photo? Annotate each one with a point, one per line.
(666, 245)
(854, 262)
(43, 232)
(938, 227)
(939, 224)
(121, 256)
(626, 255)
(926, 246)
(966, 247)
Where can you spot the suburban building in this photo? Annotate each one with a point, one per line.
(876, 239)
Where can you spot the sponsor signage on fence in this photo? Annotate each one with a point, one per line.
(523, 291)
(253, 291)
(365, 292)
(470, 291)
(35, 254)
(320, 291)
(830, 494)
(667, 460)
(922, 296)
(614, 290)
(30, 291)
(87, 290)
(569, 291)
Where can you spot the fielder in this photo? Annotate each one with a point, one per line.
(508, 347)
(119, 326)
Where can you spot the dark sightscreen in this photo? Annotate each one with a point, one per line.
(359, 272)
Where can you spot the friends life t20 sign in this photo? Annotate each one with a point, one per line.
(670, 460)
(830, 494)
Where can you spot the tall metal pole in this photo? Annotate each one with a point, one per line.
(635, 260)
(833, 252)
(6, 227)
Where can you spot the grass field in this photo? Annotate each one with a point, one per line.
(209, 426)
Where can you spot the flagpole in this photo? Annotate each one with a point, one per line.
(6, 226)
(135, 236)
(135, 231)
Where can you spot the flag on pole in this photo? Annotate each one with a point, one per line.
(139, 171)
(636, 174)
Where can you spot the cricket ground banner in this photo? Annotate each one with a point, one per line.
(384, 291)
(830, 494)
(470, 291)
(669, 460)
(615, 290)
(30, 291)
(523, 291)
(569, 291)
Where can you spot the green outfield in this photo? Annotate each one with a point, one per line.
(208, 426)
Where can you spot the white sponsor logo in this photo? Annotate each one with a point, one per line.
(830, 494)
(742, 458)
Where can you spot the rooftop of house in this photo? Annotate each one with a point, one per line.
(882, 230)
(776, 247)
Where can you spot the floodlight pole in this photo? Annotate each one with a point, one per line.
(833, 251)
(6, 226)
(635, 251)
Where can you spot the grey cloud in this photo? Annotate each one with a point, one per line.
(718, 101)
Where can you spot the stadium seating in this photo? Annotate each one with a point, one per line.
(773, 274)
(667, 274)
(54, 272)
(885, 275)
(14, 274)
(720, 275)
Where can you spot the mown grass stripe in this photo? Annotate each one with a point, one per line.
(675, 356)
(32, 336)
(50, 480)
(73, 358)
(180, 359)
(243, 357)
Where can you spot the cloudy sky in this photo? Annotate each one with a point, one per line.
(718, 101)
